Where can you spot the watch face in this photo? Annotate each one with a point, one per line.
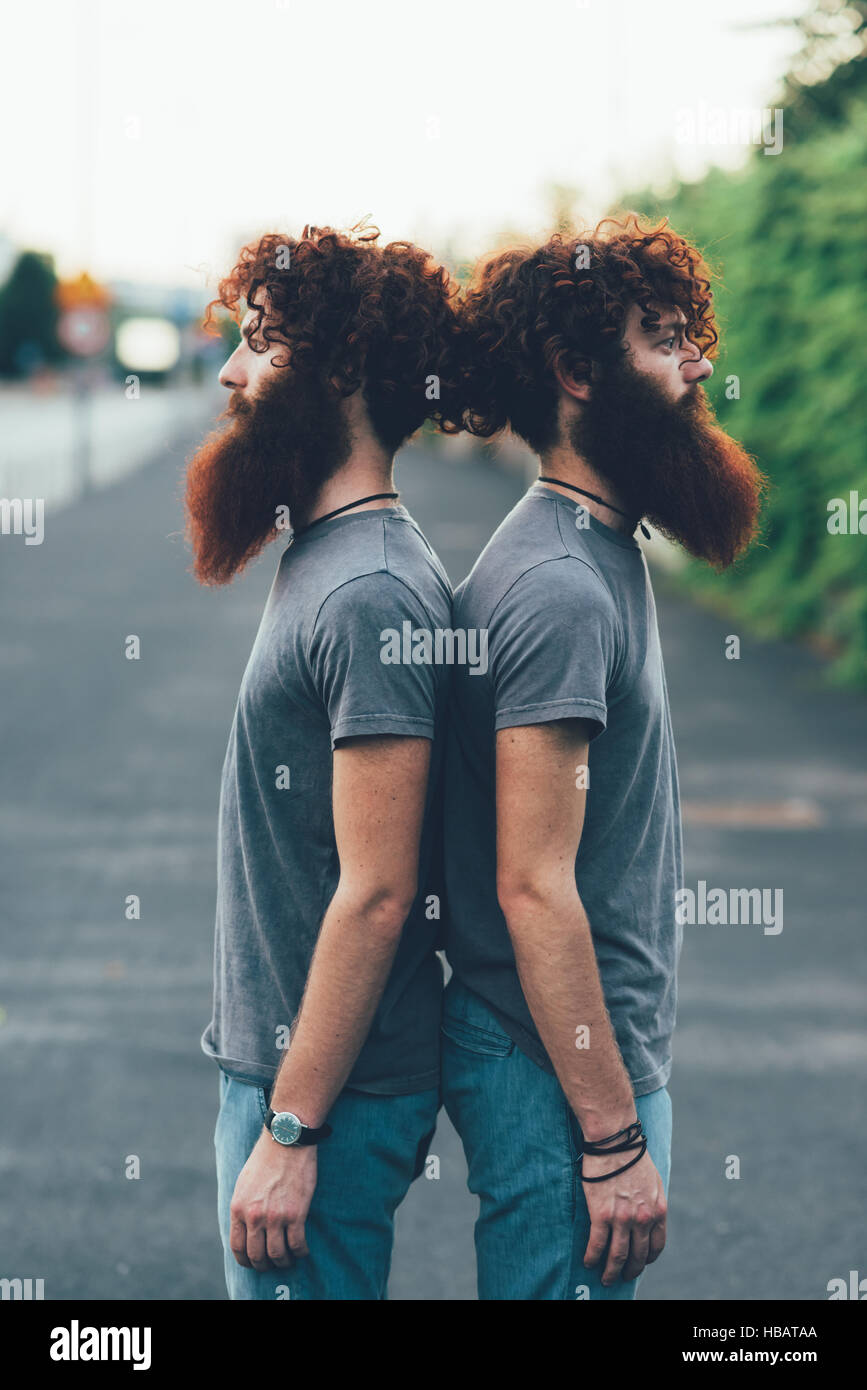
(286, 1127)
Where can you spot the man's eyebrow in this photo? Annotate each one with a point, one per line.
(669, 326)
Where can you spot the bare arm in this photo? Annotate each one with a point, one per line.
(378, 804)
(378, 796)
(540, 817)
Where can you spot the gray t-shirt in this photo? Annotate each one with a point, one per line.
(572, 633)
(315, 675)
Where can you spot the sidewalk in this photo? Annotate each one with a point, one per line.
(40, 446)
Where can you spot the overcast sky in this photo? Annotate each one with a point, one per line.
(147, 140)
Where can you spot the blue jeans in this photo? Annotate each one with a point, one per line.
(522, 1140)
(364, 1170)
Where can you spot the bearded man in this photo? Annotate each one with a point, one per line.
(327, 986)
(562, 816)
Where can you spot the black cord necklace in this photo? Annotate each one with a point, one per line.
(592, 495)
(374, 497)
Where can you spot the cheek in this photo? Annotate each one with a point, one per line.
(664, 372)
(657, 366)
(264, 365)
(258, 369)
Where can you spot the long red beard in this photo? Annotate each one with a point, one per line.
(274, 451)
(671, 462)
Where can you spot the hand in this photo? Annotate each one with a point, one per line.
(630, 1210)
(270, 1204)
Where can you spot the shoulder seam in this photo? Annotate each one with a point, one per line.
(601, 581)
(381, 569)
(553, 560)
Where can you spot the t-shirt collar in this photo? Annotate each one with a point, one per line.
(607, 532)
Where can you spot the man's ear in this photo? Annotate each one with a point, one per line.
(576, 387)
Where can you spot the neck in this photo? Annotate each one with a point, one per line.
(563, 462)
(367, 470)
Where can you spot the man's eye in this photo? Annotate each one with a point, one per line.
(668, 342)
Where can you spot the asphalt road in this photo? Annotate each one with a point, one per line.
(109, 787)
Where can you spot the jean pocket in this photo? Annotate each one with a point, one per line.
(476, 1038)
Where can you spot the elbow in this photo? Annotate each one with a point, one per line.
(531, 899)
(518, 895)
(383, 908)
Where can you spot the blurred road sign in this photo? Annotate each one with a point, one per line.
(82, 292)
(84, 331)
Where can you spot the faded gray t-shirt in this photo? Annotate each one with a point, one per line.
(315, 675)
(572, 633)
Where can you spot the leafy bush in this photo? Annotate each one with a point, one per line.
(787, 234)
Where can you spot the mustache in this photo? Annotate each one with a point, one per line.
(238, 405)
(694, 401)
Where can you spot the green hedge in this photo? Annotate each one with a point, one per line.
(787, 234)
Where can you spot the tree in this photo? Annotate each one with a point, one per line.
(829, 70)
(28, 315)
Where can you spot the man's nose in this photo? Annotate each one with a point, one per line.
(232, 375)
(697, 368)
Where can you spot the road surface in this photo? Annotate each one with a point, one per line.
(110, 781)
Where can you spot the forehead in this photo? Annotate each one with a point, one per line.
(669, 316)
(259, 300)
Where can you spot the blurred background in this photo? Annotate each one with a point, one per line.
(145, 145)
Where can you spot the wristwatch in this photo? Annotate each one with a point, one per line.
(287, 1129)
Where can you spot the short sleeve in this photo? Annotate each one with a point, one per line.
(554, 641)
(360, 630)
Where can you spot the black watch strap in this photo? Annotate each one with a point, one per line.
(308, 1134)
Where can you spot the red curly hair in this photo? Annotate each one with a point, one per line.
(355, 315)
(528, 310)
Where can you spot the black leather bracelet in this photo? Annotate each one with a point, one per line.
(632, 1132)
(614, 1148)
(603, 1177)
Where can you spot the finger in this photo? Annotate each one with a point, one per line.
(277, 1247)
(657, 1241)
(238, 1240)
(617, 1254)
(256, 1251)
(295, 1237)
(597, 1243)
(600, 1232)
(639, 1245)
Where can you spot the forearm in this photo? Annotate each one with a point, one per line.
(348, 973)
(559, 975)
